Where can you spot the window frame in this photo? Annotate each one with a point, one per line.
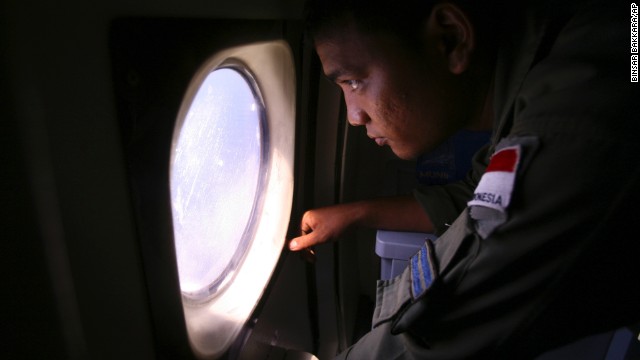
(214, 323)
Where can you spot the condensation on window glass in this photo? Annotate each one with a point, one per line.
(215, 175)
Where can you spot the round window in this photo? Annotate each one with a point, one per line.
(218, 165)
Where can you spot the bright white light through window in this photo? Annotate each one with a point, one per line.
(215, 179)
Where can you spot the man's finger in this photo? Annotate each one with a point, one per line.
(301, 242)
(294, 244)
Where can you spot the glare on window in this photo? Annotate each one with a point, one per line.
(216, 172)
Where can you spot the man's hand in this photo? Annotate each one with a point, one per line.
(401, 213)
(325, 224)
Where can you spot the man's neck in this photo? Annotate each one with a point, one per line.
(485, 119)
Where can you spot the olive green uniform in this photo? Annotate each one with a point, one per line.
(559, 258)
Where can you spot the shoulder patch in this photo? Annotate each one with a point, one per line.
(492, 196)
(496, 185)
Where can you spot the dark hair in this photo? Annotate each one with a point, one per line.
(401, 18)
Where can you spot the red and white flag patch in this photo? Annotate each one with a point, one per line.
(496, 185)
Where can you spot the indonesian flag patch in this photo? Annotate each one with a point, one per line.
(496, 185)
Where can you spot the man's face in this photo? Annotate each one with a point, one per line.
(406, 100)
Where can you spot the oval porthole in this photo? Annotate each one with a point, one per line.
(231, 187)
(219, 161)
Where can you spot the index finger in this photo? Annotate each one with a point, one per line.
(302, 242)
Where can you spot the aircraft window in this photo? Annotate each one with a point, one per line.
(231, 187)
(216, 173)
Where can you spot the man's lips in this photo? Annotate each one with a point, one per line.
(379, 140)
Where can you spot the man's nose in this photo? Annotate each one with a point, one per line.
(356, 115)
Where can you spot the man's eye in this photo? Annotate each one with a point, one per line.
(353, 84)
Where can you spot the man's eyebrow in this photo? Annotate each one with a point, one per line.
(334, 75)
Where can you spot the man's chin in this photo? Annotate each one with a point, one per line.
(404, 154)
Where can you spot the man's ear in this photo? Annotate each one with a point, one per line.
(454, 35)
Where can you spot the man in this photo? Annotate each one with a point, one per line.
(535, 248)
